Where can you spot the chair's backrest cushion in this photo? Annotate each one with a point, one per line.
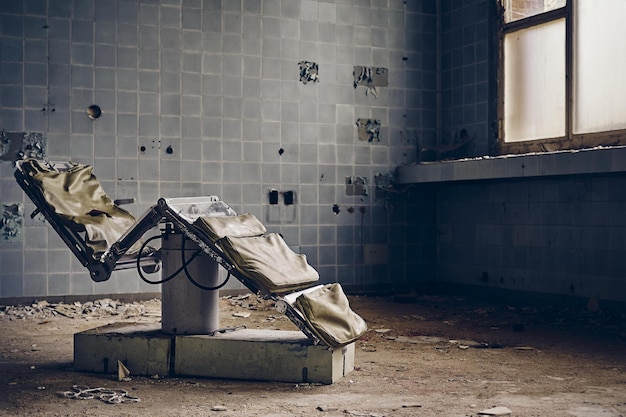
(78, 198)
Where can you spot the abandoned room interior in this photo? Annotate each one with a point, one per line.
(312, 207)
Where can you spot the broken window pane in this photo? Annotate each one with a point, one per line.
(520, 9)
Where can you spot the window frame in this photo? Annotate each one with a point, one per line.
(570, 141)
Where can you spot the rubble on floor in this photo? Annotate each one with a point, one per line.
(42, 309)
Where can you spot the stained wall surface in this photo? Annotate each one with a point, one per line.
(203, 97)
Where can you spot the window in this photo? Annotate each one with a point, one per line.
(561, 71)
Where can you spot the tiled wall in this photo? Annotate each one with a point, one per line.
(467, 101)
(217, 83)
(563, 236)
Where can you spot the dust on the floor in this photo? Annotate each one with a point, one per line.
(424, 355)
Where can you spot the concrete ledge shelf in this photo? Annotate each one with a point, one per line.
(579, 162)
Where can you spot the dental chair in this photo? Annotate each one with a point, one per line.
(105, 238)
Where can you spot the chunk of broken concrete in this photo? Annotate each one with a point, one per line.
(123, 374)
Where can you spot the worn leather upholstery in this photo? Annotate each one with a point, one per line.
(79, 200)
(242, 225)
(328, 313)
(268, 260)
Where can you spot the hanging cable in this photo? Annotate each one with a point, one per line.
(191, 279)
(178, 271)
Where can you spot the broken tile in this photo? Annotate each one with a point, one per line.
(371, 77)
(11, 221)
(308, 72)
(368, 129)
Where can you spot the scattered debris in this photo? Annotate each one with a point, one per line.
(123, 374)
(109, 396)
(466, 344)
(496, 411)
(414, 405)
(242, 315)
(326, 408)
(98, 308)
(419, 339)
(219, 408)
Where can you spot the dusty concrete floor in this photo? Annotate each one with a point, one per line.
(424, 356)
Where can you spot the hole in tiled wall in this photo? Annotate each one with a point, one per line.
(94, 112)
(336, 209)
(281, 151)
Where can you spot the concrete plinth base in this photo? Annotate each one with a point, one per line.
(143, 348)
(261, 355)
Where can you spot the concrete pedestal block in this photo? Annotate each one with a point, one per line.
(262, 355)
(247, 354)
(143, 348)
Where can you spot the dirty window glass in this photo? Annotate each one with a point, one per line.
(600, 61)
(521, 9)
(534, 74)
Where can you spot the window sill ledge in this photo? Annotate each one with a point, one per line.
(599, 160)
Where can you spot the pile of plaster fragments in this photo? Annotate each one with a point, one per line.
(107, 307)
(97, 308)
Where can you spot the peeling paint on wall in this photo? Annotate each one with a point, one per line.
(34, 145)
(20, 145)
(308, 72)
(5, 143)
(356, 186)
(368, 129)
(12, 221)
(371, 77)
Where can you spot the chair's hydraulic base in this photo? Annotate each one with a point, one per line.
(260, 355)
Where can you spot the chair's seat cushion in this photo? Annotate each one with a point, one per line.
(328, 314)
(268, 261)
